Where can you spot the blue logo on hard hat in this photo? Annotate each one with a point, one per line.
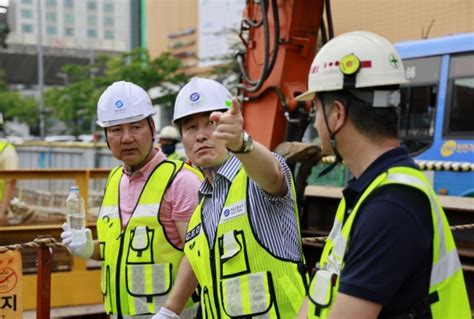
(194, 97)
(118, 104)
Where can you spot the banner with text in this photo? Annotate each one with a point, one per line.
(11, 305)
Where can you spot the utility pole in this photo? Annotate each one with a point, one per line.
(40, 70)
(4, 29)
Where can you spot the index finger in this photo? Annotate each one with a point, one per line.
(235, 108)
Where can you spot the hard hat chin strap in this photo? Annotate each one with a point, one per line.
(332, 140)
(151, 125)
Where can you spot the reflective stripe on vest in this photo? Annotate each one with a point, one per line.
(238, 276)
(139, 263)
(446, 275)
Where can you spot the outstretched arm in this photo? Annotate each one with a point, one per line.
(349, 307)
(183, 288)
(260, 164)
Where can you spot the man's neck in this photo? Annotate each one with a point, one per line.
(211, 172)
(361, 152)
(133, 168)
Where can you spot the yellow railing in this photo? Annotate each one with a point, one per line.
(80, 285)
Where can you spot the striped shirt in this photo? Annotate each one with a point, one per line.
(272, 218)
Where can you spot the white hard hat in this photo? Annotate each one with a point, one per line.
(354, 60)
(170, 133)
(123, 102)
(201, 95)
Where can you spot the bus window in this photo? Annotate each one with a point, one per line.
(460, 114)
(418, 103)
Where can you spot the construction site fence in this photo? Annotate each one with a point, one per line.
(62, 155)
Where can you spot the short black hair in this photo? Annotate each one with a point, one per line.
(373, 122)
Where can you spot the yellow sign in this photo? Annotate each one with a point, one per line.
(11, 306)
(448, 148)
(349, 64)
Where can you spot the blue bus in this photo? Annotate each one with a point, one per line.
(437, 110)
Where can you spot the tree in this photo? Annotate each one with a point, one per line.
(15, 106)
(75, 103)
(4, 29)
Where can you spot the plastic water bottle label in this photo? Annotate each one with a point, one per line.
(75, 214)
(76, 221)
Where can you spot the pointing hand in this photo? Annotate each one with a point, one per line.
(229, 126)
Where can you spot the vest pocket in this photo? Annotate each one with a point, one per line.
(104, 282)
(140, 249)
(321, 288)
(105, 286)
(247, 295)
(149, 279)
(233, 254)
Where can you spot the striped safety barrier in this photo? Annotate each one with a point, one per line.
(427, 165)
(445, 166)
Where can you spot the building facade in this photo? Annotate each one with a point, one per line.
(88, 24)
(196, 31)
(72, 32)
(404, 20)
(171, 26)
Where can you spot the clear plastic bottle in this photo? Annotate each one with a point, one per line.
(75, 213)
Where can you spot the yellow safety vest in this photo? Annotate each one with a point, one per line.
(446, 282)
(139, 263)
(237, 275)
(3, 146)
(174, 156)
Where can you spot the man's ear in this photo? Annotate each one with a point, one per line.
(106, 138)
(339, 113)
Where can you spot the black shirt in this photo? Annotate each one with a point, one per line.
(389, 257)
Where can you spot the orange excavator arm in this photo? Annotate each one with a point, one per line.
(280, 38)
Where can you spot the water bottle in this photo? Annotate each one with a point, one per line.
(75, 213)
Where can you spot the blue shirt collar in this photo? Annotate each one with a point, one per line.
(395, 157)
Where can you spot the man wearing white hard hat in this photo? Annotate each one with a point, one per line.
(390, 253)
(144, 213)
(168, 138)
(242, 245)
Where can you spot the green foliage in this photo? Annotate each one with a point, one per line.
(75, 103)
(3, 85)
(15, 106)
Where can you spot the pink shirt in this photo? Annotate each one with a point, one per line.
(178, 203)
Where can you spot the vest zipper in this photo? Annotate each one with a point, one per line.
(212, 262)
(214, 282)
(117, 277)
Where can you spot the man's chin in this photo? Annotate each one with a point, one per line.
(209, 162)
(132, 162)
(204, 164)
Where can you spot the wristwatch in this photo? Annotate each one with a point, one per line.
(247, 144)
